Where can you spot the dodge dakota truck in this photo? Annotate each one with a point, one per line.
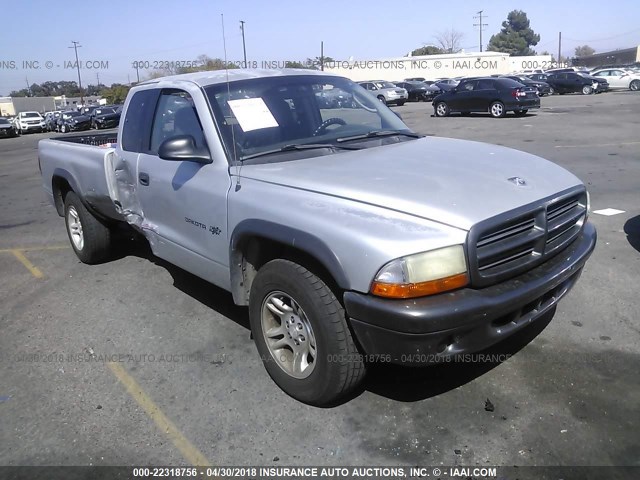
(350, 238)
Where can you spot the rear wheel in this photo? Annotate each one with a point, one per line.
(634, 86)
(442, 109)
(587, 90)
(551, 91)
(497, 110)
(90, 239)
(301, 333)
(401, 103)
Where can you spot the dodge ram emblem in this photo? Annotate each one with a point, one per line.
(518, 181)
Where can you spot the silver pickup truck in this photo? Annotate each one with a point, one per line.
(350, 238)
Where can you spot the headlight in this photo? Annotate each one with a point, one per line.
(422, 274)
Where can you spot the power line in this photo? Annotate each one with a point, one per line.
(481, 25)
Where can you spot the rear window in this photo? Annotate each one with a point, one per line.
(507, 83)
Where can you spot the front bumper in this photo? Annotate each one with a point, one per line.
(428, 329)
(33, 127)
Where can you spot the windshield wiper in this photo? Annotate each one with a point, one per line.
(298, 147)
(380, 133)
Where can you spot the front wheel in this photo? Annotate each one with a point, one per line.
(442, 110)
(90, 239)
(634, 86)
(497, 110)
(401, 103)
(63, 129)
(382, 99)
(551, 91)
(587, 90)
(301, 333)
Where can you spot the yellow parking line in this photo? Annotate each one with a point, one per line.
(34, 249)
(28, 265)
(188, 450)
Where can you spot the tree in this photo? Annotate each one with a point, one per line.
(449, 40)
(427, 50)
(116, 93)
(584, 51)
(516, 36)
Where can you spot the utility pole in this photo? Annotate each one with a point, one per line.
(322, 56)
(137, 72)
(75, 47)
(26, 79)
(559, 46)
(481, 25)
(244, 48)
(98, 78)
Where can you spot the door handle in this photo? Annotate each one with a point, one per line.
(143, 178)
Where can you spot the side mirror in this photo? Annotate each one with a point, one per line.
(183, 148)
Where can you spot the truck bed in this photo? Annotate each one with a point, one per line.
(85, 162)
(108, 139)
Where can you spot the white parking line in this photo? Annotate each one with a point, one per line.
(607, 212)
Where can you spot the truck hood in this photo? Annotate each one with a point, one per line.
(454, 182)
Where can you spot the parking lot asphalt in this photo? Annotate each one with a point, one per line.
(138, 362)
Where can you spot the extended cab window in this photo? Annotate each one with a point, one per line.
(175, 115)
(135, 132)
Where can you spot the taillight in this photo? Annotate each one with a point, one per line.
(518, 93)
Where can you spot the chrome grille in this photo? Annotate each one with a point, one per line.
(517, 241)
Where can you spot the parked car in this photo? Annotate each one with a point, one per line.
(51, 120)
(386, 92)
(72, 121)
(619, 78)
(543, 88)
(415, 79)
(573, 82)
(7, 128)
(487, 94)
(446, 84)
(86, 110)
(603, 85)
(538, 77)
(104, 117)
(27, 122)
(419, 91)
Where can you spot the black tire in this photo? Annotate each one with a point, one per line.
(551, 91)
(497, 110)
(337, 367)
(520, 113)
(95, 235)
(382, 99)
(441, 109)
(634, 86)
(63, 129)
(587, 90)
(401, 103)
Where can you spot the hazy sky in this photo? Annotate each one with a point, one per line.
(120, 32)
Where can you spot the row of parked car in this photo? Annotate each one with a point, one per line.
(62, 121)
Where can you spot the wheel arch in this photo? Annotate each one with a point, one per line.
(256, 242)
(62, 182)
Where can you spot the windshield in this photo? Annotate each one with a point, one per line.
(384, 84)
(261, 115)
(71, 114)
(104, 111)
(4, 121)
(31, 115)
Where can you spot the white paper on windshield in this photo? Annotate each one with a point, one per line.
(252, 114)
